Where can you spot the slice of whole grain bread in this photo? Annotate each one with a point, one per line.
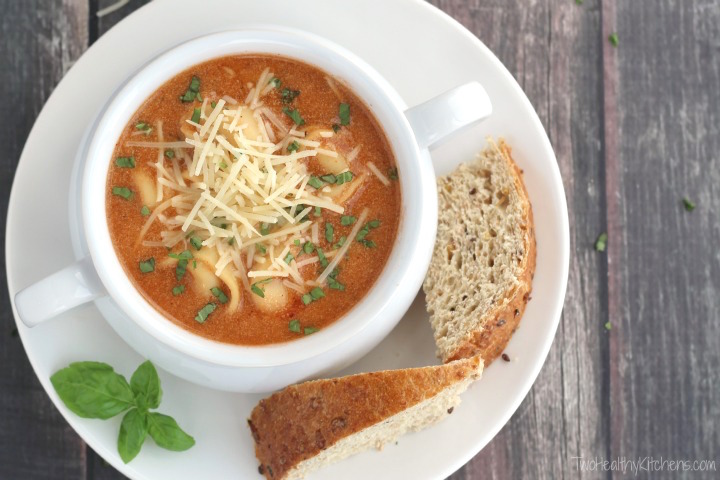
(481, 272)
(306, 426)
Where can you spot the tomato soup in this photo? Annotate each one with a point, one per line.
(253, 199)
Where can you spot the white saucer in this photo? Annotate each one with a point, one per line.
(422, 52)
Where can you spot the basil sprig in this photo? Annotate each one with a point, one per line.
(94, 390)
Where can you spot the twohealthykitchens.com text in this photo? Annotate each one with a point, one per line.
(641, 465)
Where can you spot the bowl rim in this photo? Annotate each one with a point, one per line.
(409, 257)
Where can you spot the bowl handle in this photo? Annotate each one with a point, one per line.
(61, 291)
(440, 116)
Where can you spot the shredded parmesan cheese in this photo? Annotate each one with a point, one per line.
(385, 181)
(232, 184)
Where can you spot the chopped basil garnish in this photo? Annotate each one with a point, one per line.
(125, 162)
(601, 242)
(178, 290)
(293, 147)
(213, 104)
(196, 116)
(170, 153)
(195, 84)
(264, 228)
(329, 232)
(688, 204)
(336, 127)
(219, 294)
(317, 293)
(123, 192)
(181, 266)
(366, 229)
(185, 255)
(193, 91)
(205, 312)
(393, 174)
(289, 95)
(346, 220)
(147, 266)
(296, 242)
(145, 211)
(310, 330)
(180, 269)
(368, 243)
(306, 299)
(255, 287)
(294, 326)
(329, 178)
(334, 284)
(344, 113)
(344, 177)
(323, 259)
(260, 248)
(194, 264)
(196, 242)
(289, 258)
(308, 247)
(318, 211)
(295, 115)
(341, 242)
(143, 127)
(223, 164)
(275, 82)
(231, 241)
(315, 182)
(614, 40)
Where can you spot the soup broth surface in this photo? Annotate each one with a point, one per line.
(201, 173)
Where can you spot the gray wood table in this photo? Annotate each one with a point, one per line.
(633, 371)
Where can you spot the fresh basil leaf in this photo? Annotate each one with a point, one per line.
(133, 431)
(167, 433)
(92, 390)
(145, 385)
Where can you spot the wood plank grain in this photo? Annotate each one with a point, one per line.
(553, 50)
(98, 468)
(664, 266)
(40, 41)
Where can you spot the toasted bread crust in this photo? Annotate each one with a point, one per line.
(502, 321)
(299, 422)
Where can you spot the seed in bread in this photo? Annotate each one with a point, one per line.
(481, 271)
(306, 426)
